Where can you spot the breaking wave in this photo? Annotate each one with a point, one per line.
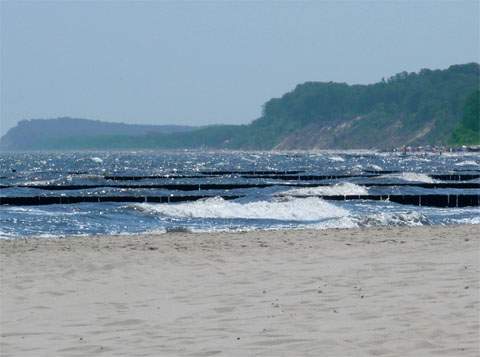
(96, 160)
(311, 212)
(287, 209)
(393, 219)
(410, 176)
(336, 158)
(374, 167)
(39, 182)
(346, 188)
(467, 163)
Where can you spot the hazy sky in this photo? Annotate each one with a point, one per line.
(211, 62)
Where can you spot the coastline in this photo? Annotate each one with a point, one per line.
(385, 291)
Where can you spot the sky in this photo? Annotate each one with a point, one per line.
(197, 63)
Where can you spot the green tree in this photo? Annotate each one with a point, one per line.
(468, 130)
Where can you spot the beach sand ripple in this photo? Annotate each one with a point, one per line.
(356, 292)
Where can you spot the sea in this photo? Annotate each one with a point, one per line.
(281, 200)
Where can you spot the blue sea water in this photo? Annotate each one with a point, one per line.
(272, 207)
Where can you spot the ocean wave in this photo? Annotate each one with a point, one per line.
(374, 167)
(36, 211)
(467, 163)
(346, 188)
(90, 177)
(15, 235)
(393, 219)
(5, 235)
(336, 223)
(336, 158)
(39, 182)
(470, 220)
(287, 209)
(410, 176)
(96, 160)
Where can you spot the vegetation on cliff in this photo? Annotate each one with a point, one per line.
(468, 130)
(406, 109)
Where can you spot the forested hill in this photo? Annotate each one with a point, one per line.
(55, 133)
(406, 109)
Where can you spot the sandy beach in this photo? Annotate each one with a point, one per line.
(356, 292)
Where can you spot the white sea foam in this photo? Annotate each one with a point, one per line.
(467, 163)
(374, 167)
(342, 222)
(410, 176)
(346, 188)
(336, 158)
(34, 211)
(422, 159)
(97, 160)
(9, 236)
(471, 220)
(357, 168)
(4, 235)
(85, 177)
(287, 209)
(39, 182)
(393, 219)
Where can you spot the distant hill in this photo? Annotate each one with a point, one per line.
(51, 133)
(425, 108)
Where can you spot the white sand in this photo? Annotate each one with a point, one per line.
(371, 292)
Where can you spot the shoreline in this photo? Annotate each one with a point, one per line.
(385, 291)
(148, 235)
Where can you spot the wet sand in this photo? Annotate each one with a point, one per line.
(356, 292)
